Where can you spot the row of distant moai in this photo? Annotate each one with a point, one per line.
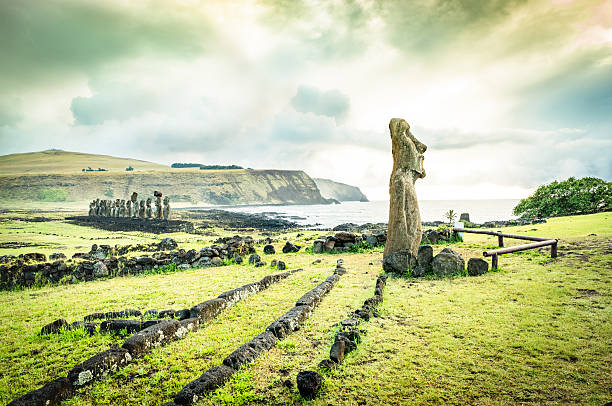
(132, 208)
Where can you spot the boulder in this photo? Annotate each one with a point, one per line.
(216, 261)
(281, 266)
(465, 217)
(309, 383)
(167, 244)
(330, 243)
(269, 249)
(318, 246)
(424, 258)
(345, 237)
(290, 247)
(371, 240)
(400, 262)
(100, 270)
(254, 258)
(477, 266)
(56, 256)
(447, 263)
(336, 352)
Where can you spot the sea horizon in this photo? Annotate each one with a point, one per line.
(377, 211)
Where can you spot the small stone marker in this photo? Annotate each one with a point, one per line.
(309, 383)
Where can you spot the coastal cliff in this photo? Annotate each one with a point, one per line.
(339, 191)
(229, 187)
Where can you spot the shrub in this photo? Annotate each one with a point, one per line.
(52, 195)
(571, 196)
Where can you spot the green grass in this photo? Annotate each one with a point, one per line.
(538, 331)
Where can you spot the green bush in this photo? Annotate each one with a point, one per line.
(52, 195)
(571, 196)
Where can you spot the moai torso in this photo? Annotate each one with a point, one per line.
(92, 207)
(134, 200)
(166, 208)
(149, 211)
(158, 207)
(129, 208)
(141, 209)
(122, 210)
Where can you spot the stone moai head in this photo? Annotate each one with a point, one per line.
(166, 201)
(134, 197)
(149, 201)
(407, 150)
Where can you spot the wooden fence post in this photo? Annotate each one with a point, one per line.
(494, 262)
(500, 240)
(553, 250)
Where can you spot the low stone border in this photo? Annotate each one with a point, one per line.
(143, 341)
(348, 336)
(247, 353)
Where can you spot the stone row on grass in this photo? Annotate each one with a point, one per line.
(348, 335)
(160, 333)
(247, 353)
(101, 262)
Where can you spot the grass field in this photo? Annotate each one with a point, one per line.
(537, 331)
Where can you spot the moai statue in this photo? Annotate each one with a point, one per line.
(112, 208)
(92, 208)
(117, 207)
(141, 209)
(149, 211)
(166, 208)
(158, 207)
(107, 208)
(134, 200)
(97, 207)
(122, 208)
(129, 208)
(404, 230)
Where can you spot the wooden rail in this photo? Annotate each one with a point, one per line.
(494, 254)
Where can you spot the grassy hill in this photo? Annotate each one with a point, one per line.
(58, 161)
(55, 179)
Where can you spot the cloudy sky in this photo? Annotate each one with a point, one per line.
(506, 94)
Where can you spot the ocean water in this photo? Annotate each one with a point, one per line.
(330, 215)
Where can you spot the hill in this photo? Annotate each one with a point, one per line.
(56, 177)
(58, 161)
(339, 191)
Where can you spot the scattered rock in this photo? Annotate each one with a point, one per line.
(253, 259)
(326, 364)
(167, 244)
(309, 383)
(336, 353)
(269, 249)
(100, 269)
(290, 247)
(281, 266)
(54, 327)
(477, 266)
(400, 262)
(447, 263)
